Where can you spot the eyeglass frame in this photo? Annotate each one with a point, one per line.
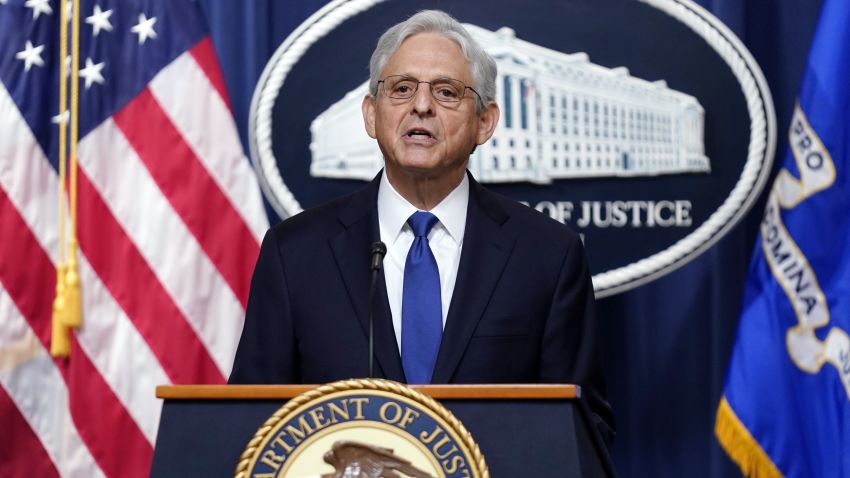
(430, 89)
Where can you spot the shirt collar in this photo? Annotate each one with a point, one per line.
(394, 210)
(452, 210)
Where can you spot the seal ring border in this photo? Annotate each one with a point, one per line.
(751, 182)
(453, 426)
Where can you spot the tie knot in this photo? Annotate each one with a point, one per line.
(421, 222)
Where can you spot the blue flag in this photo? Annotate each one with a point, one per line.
(786, 405)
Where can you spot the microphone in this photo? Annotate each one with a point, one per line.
(378, 252)
(379, 249)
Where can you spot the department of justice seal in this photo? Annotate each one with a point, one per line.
(365, 428)
(646, 126)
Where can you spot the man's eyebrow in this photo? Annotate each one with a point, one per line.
(433, 78)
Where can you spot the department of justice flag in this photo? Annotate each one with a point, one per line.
(786, 405)
(169, 225)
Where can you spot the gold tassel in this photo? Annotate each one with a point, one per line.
(73, 316)
(741, 446)
(59, 301)
(60, 337)
(60, 340)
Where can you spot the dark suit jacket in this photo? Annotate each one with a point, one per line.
(522, 310)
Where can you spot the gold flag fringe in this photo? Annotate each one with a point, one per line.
(741, 446)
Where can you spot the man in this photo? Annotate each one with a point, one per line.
(476, 287)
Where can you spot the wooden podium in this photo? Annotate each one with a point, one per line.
(523, 430)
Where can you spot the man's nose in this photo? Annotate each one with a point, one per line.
(423, 101)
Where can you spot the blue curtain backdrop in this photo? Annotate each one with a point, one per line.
(667, 344)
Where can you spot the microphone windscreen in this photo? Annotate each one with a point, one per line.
(379, 247)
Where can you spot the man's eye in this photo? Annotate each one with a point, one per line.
(403, 88)
(447, 92)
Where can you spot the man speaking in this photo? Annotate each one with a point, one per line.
(477, 288)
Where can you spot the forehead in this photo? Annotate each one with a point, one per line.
(427, 56)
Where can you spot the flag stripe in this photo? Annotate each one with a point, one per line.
(120, 354)
(27, 457)
(199, 291)
(185, 82)
(135, 287)
(204, 53)
(190, 190)
(34, 384)
(30, 285)
(92, 403)
(31, 184)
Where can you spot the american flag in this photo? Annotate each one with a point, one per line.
(170, 220)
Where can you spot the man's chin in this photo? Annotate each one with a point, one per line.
(426, 171)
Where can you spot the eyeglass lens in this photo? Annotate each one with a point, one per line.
(446, 90)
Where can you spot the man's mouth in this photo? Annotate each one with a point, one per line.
(419, 133)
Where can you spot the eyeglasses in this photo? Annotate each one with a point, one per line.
(444, 90)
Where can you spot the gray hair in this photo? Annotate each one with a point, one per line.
(481, 65)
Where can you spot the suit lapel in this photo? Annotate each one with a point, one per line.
(486, 248)
(351, 250)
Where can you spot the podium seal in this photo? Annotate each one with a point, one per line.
(366, 428)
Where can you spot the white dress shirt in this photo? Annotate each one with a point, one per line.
(445, 239)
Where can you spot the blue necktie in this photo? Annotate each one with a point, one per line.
(421, 308)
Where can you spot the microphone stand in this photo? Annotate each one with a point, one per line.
(378, 252)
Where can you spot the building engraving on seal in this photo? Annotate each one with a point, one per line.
(561, 117)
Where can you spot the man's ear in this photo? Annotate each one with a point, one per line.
(487, 121)
(368, 108)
